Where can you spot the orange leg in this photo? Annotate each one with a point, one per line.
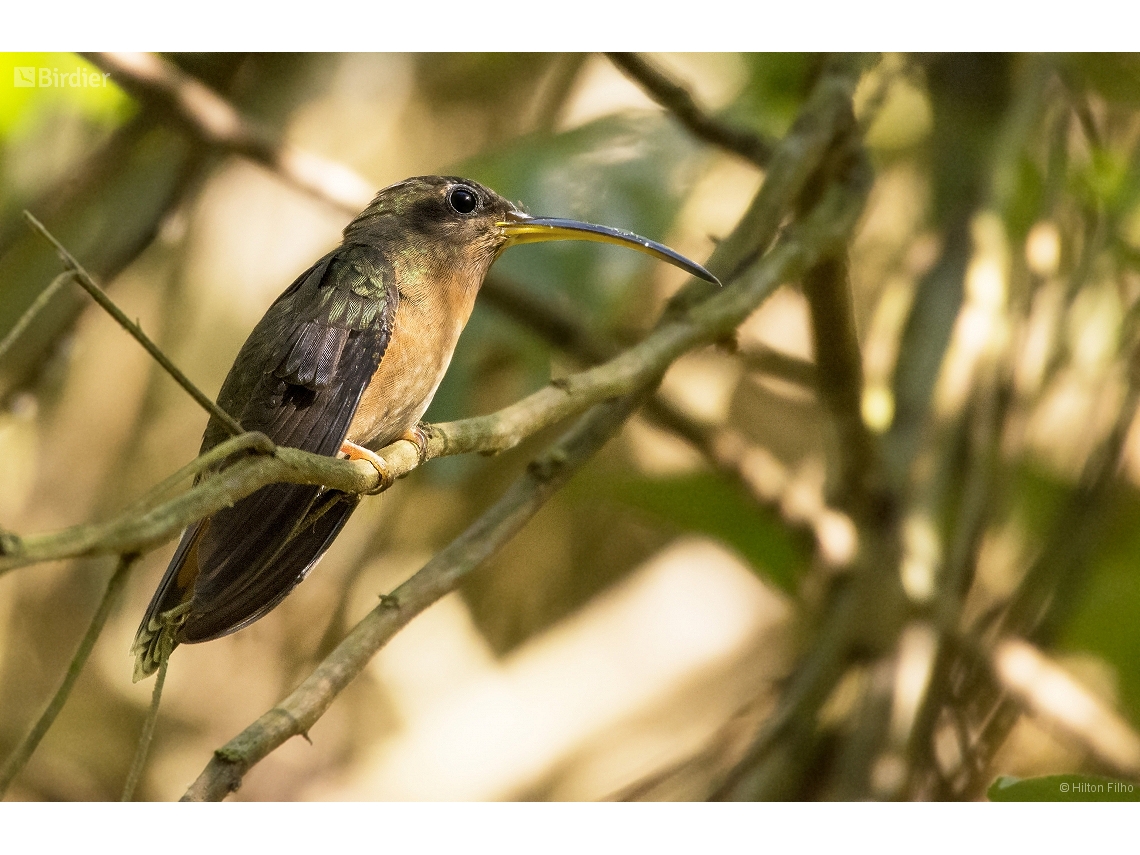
(357, 452)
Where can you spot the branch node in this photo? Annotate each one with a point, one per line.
(546, 467)
(390, 601)
(225, 754)
(10, 544)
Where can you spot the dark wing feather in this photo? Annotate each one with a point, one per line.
(298, 379)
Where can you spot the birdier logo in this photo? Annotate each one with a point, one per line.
(31, 76)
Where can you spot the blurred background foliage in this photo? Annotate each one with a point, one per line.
(631, 640)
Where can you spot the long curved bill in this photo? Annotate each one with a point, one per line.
(538, 229)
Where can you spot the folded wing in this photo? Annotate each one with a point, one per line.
(298, 379)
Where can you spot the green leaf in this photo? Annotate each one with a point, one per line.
(1063, 788)
(778, 84)
(707, 504)
(1104, 608)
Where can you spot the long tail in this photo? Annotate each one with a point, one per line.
(234, 567)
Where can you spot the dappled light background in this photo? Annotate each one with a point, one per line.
(634, 637)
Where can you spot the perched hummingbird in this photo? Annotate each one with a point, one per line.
(349, 356)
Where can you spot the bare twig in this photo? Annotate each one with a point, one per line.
(253, 442)
(166, 88)
(42, 300)
(23, 752)
(138, 763)
(569, 331)
(84, 279)
(677, 100)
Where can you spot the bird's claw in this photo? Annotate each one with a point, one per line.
(417, 437)
(356, 452)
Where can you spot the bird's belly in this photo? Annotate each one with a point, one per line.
(402, 387)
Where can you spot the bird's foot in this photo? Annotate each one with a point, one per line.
(356, 452)
(417, 437)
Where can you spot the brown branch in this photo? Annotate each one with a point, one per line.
(569, 331)
(676, 99)
(167, 89)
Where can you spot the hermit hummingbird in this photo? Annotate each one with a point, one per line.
(346, 359)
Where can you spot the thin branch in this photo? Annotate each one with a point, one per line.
(23, 752)
(677, 100)
(253, 442)
(792, 166)
(775, 363)
(41, 300)
(298, 712)
(84, 279)
(568, 330)
(163, 86)
(138, 763)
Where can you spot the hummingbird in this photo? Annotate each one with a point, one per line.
(347, 359)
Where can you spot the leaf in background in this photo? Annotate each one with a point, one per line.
(631, 171)
(1114, 76)
(1103, 620)
(1024, 205)
(706, 504)
(1062, 788)
(778, 84)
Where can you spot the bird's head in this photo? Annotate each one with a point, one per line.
(441, 224)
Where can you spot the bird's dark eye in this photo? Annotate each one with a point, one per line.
(462, 200)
